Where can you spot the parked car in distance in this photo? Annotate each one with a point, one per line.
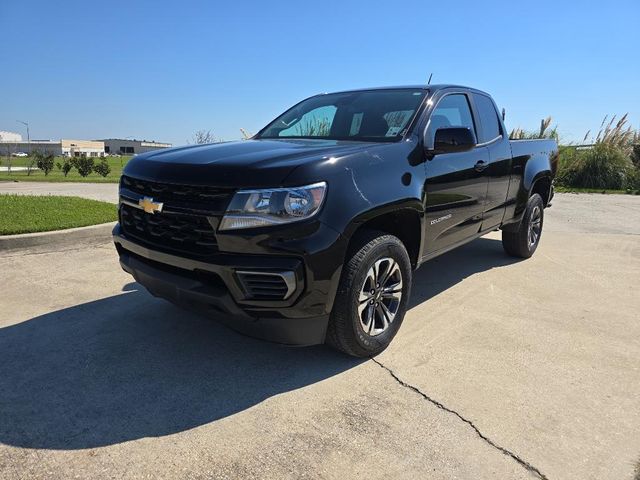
(20, 154)
(309, 231)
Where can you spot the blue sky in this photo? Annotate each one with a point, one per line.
(162, 70)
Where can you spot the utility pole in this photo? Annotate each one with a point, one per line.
(26, 124)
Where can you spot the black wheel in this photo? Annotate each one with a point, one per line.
(372, 296)
(524, 241)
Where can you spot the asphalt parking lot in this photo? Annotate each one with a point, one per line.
(502, 369)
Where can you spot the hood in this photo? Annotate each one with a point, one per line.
(246, 163)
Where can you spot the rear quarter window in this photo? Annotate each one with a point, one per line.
(490, 126)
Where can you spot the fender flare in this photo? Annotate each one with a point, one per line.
(409, 205)
(523, 197)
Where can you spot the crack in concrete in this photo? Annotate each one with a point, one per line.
(486, 439)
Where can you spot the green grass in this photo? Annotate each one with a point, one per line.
(30, 213)
(56, 175)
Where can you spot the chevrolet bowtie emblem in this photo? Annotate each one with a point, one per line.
(149, 206)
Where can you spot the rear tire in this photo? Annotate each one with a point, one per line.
(524, 241)
(372, 295)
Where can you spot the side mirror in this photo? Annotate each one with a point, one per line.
(453, 140)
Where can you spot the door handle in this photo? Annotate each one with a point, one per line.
(480, 165)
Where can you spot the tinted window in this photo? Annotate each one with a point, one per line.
(488, 119)
(451, 111)
(316, 123)
(372, 115)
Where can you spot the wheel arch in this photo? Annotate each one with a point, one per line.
(542, 186)
(404, 220)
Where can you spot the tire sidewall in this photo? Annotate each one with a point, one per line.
(397, 252)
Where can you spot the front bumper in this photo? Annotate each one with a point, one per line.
(213, 287)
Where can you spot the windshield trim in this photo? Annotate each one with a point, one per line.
(396, 138)
(334, 138)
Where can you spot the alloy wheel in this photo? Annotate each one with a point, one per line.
(380, 296)
(535, 226)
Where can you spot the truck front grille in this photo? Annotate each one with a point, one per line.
(191, 234)
(213, 198)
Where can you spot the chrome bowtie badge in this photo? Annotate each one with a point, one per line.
(149, 206)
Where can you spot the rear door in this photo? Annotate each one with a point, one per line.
(491, 134)
(456, 186)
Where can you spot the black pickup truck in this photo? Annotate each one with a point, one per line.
(309, 231)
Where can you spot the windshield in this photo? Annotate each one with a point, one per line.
(369, 115)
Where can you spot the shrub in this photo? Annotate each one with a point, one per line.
(44, 161)
(633, 185)
(65, 166)
(83, 164)
(602, 166)
(635, 155)
(103, 169)
(31, 164)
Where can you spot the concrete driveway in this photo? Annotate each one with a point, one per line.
(503, 369)
(106, 192)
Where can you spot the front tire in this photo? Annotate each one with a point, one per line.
(372, 296)
(524, 241)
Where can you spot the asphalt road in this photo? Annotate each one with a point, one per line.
(503, 369)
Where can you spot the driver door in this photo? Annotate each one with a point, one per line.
(456, 186)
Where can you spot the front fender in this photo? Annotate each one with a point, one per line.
(371, 182)
(411, 205)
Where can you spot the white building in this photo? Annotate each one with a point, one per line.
(121, 146)
(11, 143)
(90, 148)
(73, 148)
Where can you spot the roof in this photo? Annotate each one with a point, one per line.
(432, 87)
(33, 142)
(128, 140)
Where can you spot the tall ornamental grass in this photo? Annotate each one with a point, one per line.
(603, 166)
(543, 132)
(609, 161)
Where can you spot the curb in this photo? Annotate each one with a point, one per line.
(70, 237)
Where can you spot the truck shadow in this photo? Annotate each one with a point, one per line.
(131, 366)
(444, 271)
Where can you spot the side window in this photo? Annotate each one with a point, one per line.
(451, 111)
(315, 123)
(488, 119)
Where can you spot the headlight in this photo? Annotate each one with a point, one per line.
(273, 206)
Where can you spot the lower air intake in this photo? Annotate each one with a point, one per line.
(267, 285)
